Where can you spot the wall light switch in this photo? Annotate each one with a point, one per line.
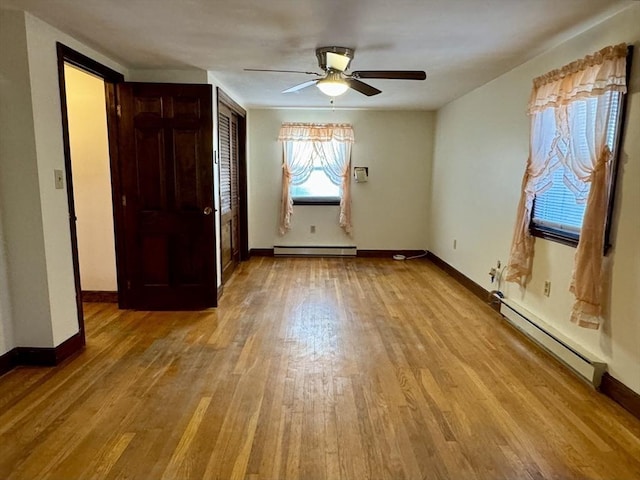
(59, 179)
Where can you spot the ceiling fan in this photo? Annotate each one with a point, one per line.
(334, 61)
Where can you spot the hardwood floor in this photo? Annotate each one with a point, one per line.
(311, 369)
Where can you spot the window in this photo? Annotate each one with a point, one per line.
(558, 210)
(316, 161)
(317, 189)
(569, 181)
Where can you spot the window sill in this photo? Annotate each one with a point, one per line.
(554, 235)
(316, 201)
(559, 236)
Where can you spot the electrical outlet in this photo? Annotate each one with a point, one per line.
(547, 288)
(312, 229)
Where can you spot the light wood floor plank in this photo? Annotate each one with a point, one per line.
(322, 368)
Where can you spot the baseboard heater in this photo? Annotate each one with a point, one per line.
(583, 363)
(314, 251)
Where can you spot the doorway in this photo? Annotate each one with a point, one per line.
(68, 57)
(89, 144)
(161, 167)
(165, 150)
(234, 239)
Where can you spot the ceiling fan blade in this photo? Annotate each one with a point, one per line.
(300, 86)
(391, 74)
(362, 87)
(281, 71)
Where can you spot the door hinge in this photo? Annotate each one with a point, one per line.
(124, 200)
(119, 110)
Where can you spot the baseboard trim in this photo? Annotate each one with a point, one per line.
(41, 356)
(466, 282)
(314, 250)
(261, 252)
(35, 356)
(389, 253)
(99, 296)
(268, 252)
(621, 394)
(7, 361)
(70, 347)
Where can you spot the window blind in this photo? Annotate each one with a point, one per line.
(557, 207)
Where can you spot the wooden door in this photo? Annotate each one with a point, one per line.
(228, 144)
(166, 165)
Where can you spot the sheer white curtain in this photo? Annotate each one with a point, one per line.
(332, 144)
(560, 103)
(335, 159)
(297, 166)
(591, 165)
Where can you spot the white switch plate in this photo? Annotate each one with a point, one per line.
(59, 179)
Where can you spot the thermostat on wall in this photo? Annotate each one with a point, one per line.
(361, 174)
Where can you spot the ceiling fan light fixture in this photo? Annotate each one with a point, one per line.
(332, 88)
(333, 85)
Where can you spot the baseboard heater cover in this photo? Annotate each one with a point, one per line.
(314, 251)
(583, 363)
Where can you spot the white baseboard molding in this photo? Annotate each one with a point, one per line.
(315, 251)
(584, 363)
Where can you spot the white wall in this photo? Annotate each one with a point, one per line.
(7, 341)
(43, 70)
(390, 211)
(89, 142)
(35, 216)
(480, 154)
(26, 311)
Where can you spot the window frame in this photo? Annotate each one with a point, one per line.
(570, 238)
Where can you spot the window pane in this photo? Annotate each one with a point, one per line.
(557, 207)
(318, 185)
(560, 207)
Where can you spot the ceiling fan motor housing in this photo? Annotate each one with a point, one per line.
(321, 54)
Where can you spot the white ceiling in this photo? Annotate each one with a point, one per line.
(461, 44)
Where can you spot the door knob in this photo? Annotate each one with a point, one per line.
(207, 210)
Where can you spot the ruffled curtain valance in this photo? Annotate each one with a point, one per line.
(604, 71)
(316, 132)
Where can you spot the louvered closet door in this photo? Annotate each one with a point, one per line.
(229, 226)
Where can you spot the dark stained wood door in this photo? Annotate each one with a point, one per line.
(228, 144)
(166, 164)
